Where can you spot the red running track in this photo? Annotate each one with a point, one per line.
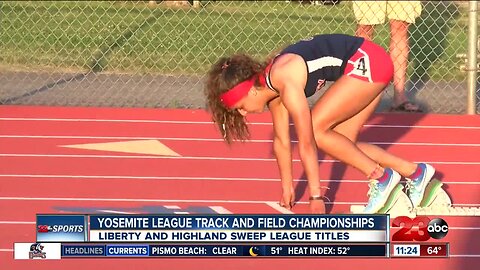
(37, 175)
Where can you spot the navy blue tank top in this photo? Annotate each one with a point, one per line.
(325, 56)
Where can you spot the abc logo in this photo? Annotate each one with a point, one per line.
(437, 228)
(419, 228)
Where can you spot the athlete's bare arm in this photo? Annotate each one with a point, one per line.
(282, 149)
(289, 76)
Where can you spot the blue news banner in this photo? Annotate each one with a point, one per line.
(217, 235)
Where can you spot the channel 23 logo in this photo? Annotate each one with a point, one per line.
(44, 228)
(419, 228)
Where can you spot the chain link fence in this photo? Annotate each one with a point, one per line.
(155, 54)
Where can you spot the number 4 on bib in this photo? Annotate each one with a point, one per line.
(361, 66)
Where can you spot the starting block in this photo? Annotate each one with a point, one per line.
(435, 202)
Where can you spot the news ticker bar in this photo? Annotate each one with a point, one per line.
(155, 250)
(333, 250)
(428, 250)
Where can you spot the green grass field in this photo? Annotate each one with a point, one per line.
(132, 37)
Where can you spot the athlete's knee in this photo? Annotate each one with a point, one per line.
(349, 132)
(320, 129)
(321, 124)
(352, 137)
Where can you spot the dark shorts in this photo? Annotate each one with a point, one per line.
(371, 63)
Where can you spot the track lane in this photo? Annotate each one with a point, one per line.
(401, 130)
(219, 149)
(209, 131)
(350, 192)
(198, 115)
(130, 165)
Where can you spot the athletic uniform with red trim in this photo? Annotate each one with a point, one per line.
(328, 57)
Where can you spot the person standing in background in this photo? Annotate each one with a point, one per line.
(400, 14)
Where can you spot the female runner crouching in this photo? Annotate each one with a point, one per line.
(360, 71)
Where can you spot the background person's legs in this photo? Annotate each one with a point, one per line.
(399, 50)
(365, 31)
(401, 14)
(368, 14)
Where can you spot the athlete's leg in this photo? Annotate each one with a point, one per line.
(418, 176)
(344, 99)
(351, 128)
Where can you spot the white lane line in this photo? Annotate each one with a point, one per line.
(210, 122)
(113, 120)
(160, 178)
(180, 201)
(115, 212)
(465, 255)
(205, 158)
(220, 210)
(190, 178)
(280, 209)
(8, 222)
(127, 200)
(172, 206)
(150, 200)
(140, 157)
(217, 140)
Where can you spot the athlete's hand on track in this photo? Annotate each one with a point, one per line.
(288, 198)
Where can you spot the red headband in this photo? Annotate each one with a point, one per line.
(234, 95)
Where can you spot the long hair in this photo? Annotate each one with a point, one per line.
(222, 76)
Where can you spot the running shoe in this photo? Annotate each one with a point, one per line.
(416, 186)
(379, 193)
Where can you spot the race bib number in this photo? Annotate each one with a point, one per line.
(361, 66)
